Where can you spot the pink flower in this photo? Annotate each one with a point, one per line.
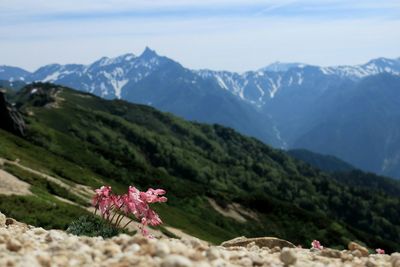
(103, 191)
(102, 199)
(153, 218)
(316, 245)
(134, 202)
(380, 251)
(153, 195)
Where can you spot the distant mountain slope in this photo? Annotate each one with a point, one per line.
(323, 162)
(363, 128)
(83, 139)
(10, 73)
(13, 86)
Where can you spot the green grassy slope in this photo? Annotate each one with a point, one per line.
(83, 139)
(326, 163)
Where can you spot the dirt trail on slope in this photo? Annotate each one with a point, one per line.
(11, 185)
(81, 191)
(234, 211)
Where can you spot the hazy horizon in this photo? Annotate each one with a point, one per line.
(234, 35)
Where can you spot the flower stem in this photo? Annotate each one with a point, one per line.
(127, 223)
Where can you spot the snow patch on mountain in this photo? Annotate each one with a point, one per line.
(301, 79)
(52, 77)
(221, 82)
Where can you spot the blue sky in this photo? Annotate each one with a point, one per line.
(234, 35)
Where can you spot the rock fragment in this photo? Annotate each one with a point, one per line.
(288, 257)
(395, 260)
(2, 220)
(269, 242)
(330, 253)
(13, 245)
(176, 261)
(213, 254)
(353, 246)
(162, 249)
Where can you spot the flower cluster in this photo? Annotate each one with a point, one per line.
(380, 251)
(114, 208)
(316, 245)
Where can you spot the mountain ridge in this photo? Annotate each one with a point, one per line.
(373, 66)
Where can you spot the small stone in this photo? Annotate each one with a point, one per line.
(121, 239)
(251, 244)
(111, 250)
(202, 264)
(396, 263)
(256, 259)
(371, 263)
(194, 242)
(10, 221)
(162, 250)
(288, 257)
(30, 260)
(176, 261)
(197, 256)
(54, 235)
(2, 220)
(132, 248)
(13, 245)
(220, 263)
(178, 248)
(395, 259)
(275, 249)
(139, 239)
(269, 242)
(39, 231)
(331, 253)
(60, 260)
(213, 254)
(357, 253)
(355, 246)
(44, 260)
(246, 262)
(346, 257)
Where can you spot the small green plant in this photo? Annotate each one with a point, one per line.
(92, 226)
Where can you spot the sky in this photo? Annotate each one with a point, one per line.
(235, 35)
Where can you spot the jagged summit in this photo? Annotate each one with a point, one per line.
(148, 53)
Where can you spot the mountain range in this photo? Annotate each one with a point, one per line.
(350, 112)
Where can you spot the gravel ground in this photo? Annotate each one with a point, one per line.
(27, 246)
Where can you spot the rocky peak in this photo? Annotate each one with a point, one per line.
(148, 53)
